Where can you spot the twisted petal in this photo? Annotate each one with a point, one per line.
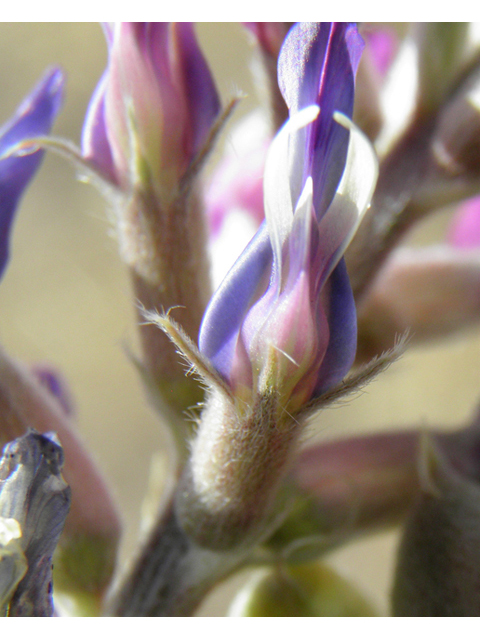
(226, 311)
(279, 205)
(251, 273)
(33, 118)
(317, 65)
(351, 200)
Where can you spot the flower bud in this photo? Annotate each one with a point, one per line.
(438, 568)
(429, 293)
(310, 590)
(156, 77)
(150, 124)
(352, 486)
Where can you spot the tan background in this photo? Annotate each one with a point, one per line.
(65, 298)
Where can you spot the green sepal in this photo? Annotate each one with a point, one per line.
(308, 590)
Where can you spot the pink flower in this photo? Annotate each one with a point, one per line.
(154, 106)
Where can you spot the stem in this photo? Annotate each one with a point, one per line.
(172, 575)
(353, 487)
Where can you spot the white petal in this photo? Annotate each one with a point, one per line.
(277, 180)
(340, 222)
(299, 247)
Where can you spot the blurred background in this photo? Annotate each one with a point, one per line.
(65, 299)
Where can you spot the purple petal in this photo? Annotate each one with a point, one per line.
(34, 117)
(153, 40)
(342, 321)
(226, 311)
(317, 65)
(95, 145)
(202, 97)
(55, 384)
(108, 32)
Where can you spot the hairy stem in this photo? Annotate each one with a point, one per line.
(172, 576)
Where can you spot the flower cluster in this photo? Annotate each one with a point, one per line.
(366, 131)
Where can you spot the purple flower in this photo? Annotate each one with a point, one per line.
(382, 44)
(284, 317)
(34, 117)
(236, 184)
(153, 107)
(464, 232)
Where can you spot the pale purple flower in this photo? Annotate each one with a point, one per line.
(464, 232)
(153, 107)
(237, 182)
(284, 317)
(34, 117)
(382, 44)
(234, 195)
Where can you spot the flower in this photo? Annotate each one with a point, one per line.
(464, 231)
(34, 117)
(382, 44)
(236, 184)
(153, 107)
(284, 317)
(151, 123)
(234, 195)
